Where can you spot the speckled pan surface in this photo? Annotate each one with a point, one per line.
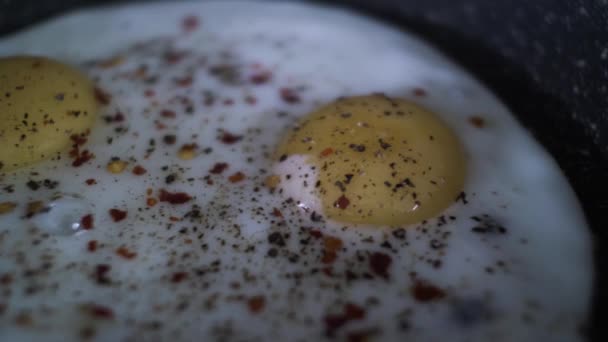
(551, 65)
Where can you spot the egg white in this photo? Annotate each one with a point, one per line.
(541, 291)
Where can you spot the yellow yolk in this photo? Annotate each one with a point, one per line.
(42, 104)
(379, 160)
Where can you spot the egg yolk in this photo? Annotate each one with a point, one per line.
(42, 104)
(379, 160)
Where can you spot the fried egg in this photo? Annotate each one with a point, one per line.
(249, 171)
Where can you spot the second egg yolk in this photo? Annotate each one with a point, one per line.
(42, 104)
(379, 160)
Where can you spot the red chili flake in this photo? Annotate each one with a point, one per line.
(92, 245)
(149, 93)
(425, 292)
(117, 214)
(218, 168)
(342, 202)
(360, 336)
(237, 177)
(379, 263)
(251, 100)
(87, 221)
(139, 170)
(351, 312)
(122, 251)
(229, 138)
(277, 213)
(260, 77)
(151, 202)
(256, 304)
(316, 233)
(184, 82)
(190, 23)
(101, 312)
(477, 121)
(173, 57)
(101, 96)
(332, 243)
(178, 277)
(82, 158)
(289, 95)
(329, 257)
(228, 102)
(78, 139)
(174, 197)
(419, 92)
(328, 271)
(165, 113)
(326, 152)
(90, 181)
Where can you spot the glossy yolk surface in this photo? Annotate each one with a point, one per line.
(42, 104)
(379, 160)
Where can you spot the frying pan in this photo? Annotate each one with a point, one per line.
(546, 59)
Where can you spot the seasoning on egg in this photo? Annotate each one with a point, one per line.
(377, 154)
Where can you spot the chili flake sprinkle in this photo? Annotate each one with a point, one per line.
(218, 168)
(87, 221)
(125, 253)
(326, 152)
(101, 312)
(342, 202)
(173, 197)
(178, 277)
(92, 245)
(289, 95)
(256, 304)
(237, 177)
(351, 312)
(102, 97)
(426, 292)
(117, 214)
(139, 170)
(229, 138)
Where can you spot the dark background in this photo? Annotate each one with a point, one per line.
(546, 59)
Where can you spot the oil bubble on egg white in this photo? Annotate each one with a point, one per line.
(189, 238)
